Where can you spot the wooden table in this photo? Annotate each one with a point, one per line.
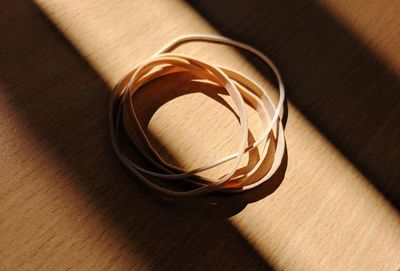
(67, 204)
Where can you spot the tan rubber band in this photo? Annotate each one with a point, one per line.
(238, 86)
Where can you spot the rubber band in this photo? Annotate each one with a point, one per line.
(241, 89)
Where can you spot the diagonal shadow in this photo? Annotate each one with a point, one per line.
(65, 103)
(339, 84)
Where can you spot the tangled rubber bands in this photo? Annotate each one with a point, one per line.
(241, 89)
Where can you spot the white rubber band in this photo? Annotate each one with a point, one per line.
(238, 86)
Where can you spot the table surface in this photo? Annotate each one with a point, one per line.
(67, 204)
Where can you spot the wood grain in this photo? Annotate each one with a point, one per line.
(67, 204)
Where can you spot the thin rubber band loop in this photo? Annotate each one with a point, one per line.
(238, 86)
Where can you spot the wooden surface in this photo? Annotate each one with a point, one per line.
(67, 204)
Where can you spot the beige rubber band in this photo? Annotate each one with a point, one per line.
(238, 86)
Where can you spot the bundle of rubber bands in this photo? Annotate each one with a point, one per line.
(241, 89)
